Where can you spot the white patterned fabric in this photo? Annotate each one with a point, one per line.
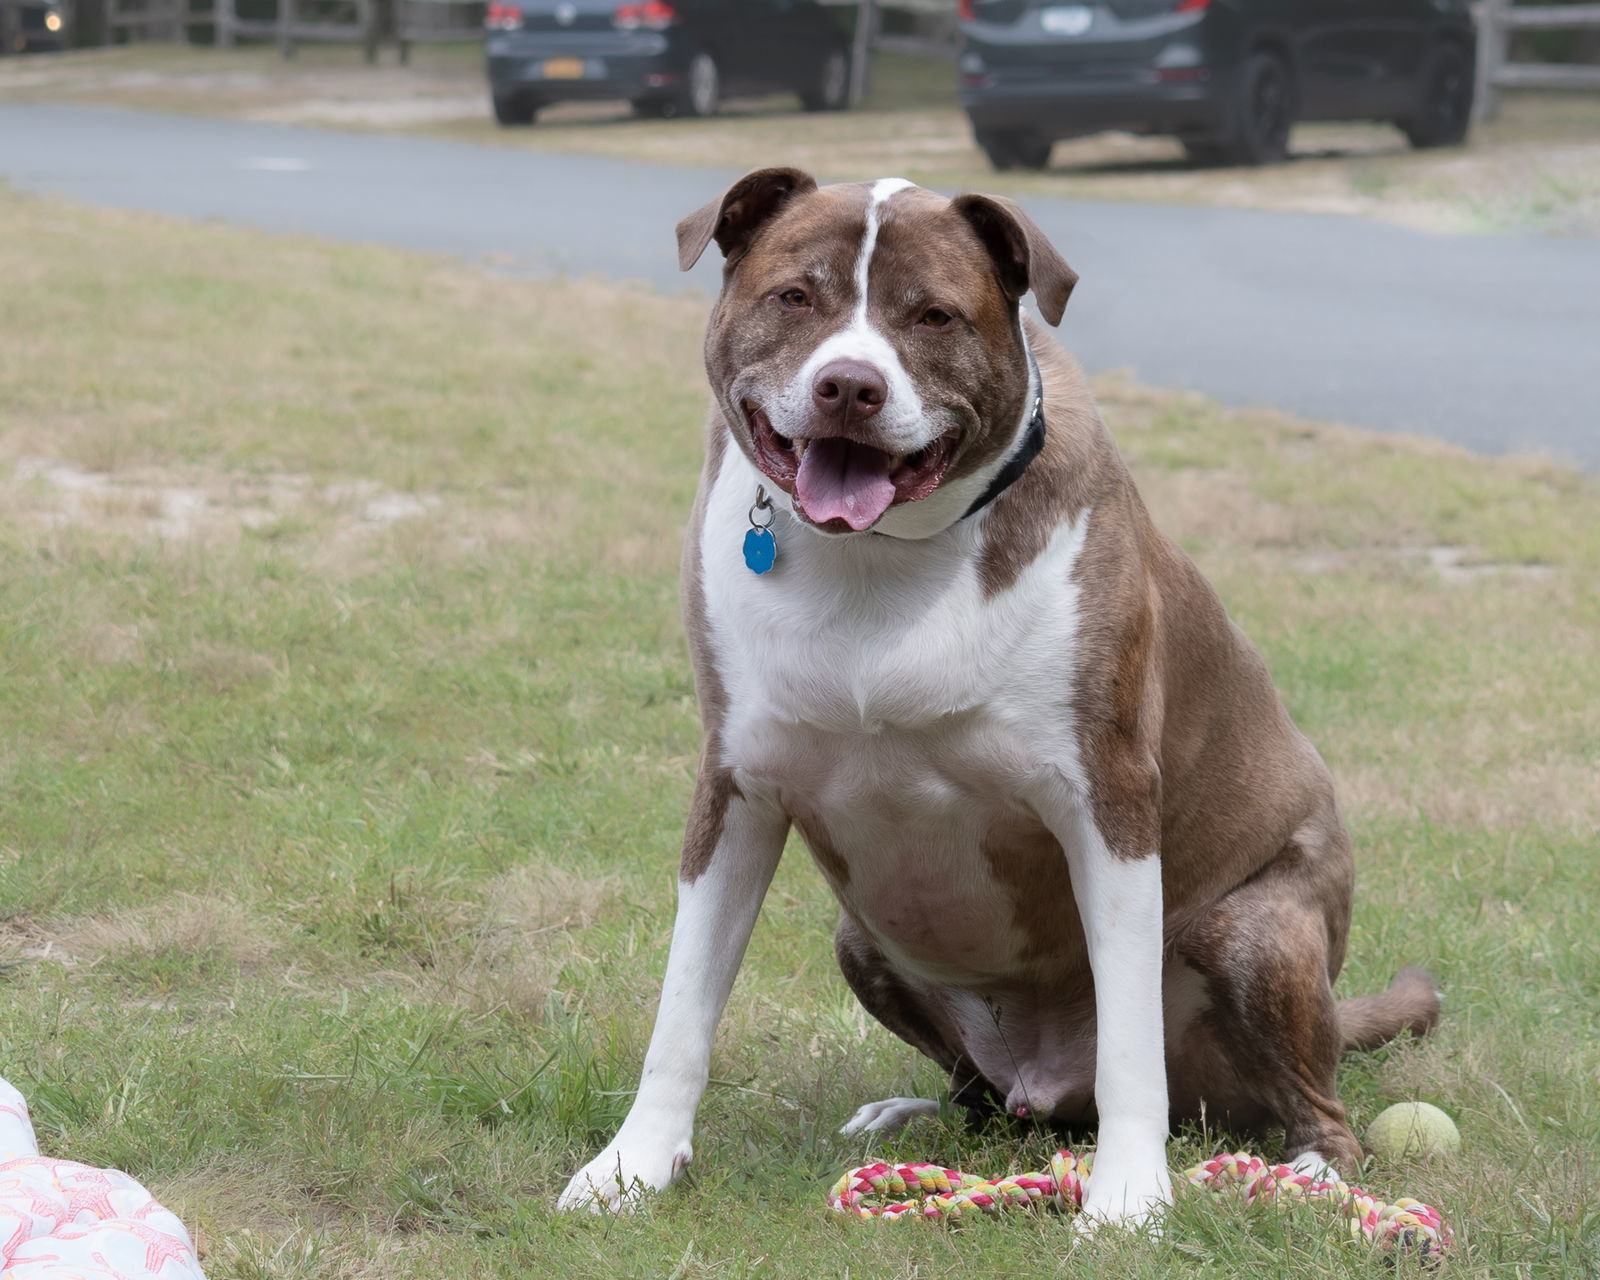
(61, 1220)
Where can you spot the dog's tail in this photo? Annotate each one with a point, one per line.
(1412, 1001)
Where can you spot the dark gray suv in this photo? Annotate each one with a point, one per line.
(668, 57)
(1227, 77)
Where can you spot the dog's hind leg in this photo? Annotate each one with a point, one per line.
(893, 1002)
(1269, 951)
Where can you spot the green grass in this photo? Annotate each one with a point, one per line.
(349, 733)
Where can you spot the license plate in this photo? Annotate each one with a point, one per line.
(1067, 19)
(563, 69)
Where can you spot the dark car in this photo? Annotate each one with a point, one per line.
(677, 58)
(1228, 78)
(32, 26)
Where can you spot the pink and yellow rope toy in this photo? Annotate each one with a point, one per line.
(931, 1191)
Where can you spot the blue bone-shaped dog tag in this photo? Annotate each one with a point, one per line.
(760, 550)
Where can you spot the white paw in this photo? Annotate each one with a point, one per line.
(888, 1116)
(1125, 1192)
(620, 1176)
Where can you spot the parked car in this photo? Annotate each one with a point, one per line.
(1228, 77)
(32, 26)
(677, 58)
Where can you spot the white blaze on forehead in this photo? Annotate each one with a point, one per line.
(900, 422)
(882, 189)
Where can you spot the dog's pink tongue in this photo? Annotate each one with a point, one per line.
(839, 479)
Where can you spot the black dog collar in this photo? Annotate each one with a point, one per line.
(1026, 452)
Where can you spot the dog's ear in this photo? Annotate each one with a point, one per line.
(735, 217)
(1023, 256)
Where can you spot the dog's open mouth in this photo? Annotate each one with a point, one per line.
(841, 485)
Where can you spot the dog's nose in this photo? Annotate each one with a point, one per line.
(849, 390)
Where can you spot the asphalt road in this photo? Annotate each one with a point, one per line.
(1489, 341)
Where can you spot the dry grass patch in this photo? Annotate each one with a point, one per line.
(1562, 794)
(214, 934)
(534, 929)
(251, 1219)
(321, 85)
(185, 507)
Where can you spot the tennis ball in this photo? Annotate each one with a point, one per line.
(1410, 1129)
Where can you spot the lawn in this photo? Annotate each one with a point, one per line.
(349, 732)
(1534, 168)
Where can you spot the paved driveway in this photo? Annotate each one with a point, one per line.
(1490, 341)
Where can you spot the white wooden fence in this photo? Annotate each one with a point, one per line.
(1499, 21)
(148, 19)
(436, 21)
(304, 21)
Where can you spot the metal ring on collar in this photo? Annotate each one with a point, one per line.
(762, 503)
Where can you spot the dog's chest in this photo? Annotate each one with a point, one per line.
(895, 712)
(863, 634)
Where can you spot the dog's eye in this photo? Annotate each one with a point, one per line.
(934, 318)
(794, 298)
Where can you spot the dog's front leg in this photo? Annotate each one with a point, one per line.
(1119, 902)
(730, 852)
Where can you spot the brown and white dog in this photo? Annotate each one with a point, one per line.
(1084, 860)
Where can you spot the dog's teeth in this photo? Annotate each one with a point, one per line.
(800, 448)
(895, 461)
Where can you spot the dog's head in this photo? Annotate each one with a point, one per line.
(867, 352)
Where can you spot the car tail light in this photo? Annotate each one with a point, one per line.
(652, 15)
(1192, 6)
(502, 17)
(964, 10)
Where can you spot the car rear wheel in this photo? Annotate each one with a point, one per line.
(514, 109)
(702, 87)
(1263, 114)
(1015, 150)
(1445, 111)
(831, 92)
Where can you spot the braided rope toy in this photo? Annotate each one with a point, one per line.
(881, 1190)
